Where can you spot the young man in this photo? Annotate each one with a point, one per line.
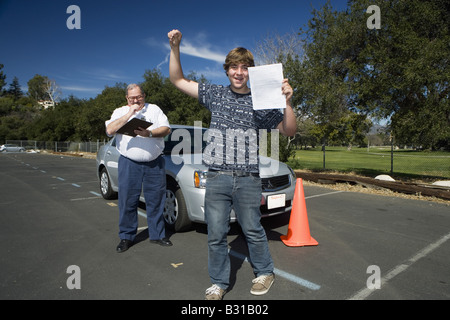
(141, 167)
(233, 180)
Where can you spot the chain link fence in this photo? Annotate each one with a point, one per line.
(370, 161)
(401, 163)
(59, 146)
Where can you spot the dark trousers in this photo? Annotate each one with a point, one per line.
(150, 178)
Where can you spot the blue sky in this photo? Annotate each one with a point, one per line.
(119, 40)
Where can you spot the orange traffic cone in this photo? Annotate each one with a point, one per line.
(298, 230)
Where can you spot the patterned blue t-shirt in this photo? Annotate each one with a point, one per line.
(233, 134)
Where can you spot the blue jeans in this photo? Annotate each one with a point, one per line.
(134, 177)
(243, 194)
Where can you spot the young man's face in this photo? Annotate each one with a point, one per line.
(238, 76)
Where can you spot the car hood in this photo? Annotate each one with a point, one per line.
(267, 166)
(271, 167)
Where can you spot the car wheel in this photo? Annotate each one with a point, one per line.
(175, 210)
(105, 186)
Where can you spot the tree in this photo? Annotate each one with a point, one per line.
(14, 89)
(2, 79)
(275, 48)
(403, 71)
(13, 127)
(36, 88)
(90, 121)
(399, 72)
(52, 90)
(305, 133)
(179, 108)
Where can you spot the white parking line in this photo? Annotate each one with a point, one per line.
(365, 292)
(323, 194)
(286, 275)
(293, 278)
(300, 281)
(278, 272)
(82, 199)
(142, 214)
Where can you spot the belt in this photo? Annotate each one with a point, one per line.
(236, 173)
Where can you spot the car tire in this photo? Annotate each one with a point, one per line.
(175, 210)
(105, 186)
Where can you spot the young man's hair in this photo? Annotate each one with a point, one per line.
(237, 56)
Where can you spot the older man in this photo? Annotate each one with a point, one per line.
(141, 167)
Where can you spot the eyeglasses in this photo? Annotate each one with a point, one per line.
(135, 98)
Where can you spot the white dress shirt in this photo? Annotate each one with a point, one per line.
(141, 149)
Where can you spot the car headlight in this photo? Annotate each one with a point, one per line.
(200, 179)
(294, 176)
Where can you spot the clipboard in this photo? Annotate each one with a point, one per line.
(134, 124)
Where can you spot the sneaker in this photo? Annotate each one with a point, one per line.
(214, 293)
(262, 284)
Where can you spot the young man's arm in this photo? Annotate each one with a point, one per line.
(288, 127)
(175, 71)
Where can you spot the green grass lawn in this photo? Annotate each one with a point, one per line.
(377, 160)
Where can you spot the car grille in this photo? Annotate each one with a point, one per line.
(275, 183)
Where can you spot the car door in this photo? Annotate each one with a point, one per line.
(111, 159)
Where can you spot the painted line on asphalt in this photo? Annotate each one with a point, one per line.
(300, 281)
(96, 194)
(142, 214)
(323, 194)
(88, 198)
(293, 278)
(365, 292)
(288, 276)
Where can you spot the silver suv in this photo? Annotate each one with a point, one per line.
(186, 177)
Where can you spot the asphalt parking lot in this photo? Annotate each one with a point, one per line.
(59, 236)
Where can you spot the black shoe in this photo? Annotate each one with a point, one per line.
(124, 245)
(162, 242)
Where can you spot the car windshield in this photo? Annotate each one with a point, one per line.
(186, 136)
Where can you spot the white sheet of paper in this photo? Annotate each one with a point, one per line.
(265, 83)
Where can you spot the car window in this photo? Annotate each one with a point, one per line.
(174, 138)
